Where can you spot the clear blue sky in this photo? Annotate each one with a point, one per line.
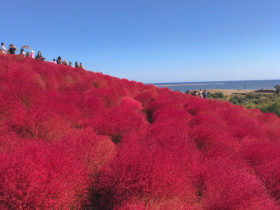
(153, 40)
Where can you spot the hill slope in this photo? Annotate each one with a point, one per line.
(77, 139)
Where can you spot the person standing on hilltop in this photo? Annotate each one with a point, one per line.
(200, 93)
(32, 54)
(3, 49)
(81, 66)
(39, 56)
(59, 60)
(76, 65)
(12, 49)
(54, 61)
(22, 53)
(70, 64)
(8, 51)
(205, 93)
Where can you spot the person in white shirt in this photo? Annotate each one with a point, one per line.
(3, 49)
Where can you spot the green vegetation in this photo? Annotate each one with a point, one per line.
(277, 89)
(217, 95)
(264, 102)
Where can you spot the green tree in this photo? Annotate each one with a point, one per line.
(277, 87)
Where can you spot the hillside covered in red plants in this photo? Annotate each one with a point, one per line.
(74, 139)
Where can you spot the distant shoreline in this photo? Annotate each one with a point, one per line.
(239, 86)
(210, 82)
(243, 92)
(189, 84)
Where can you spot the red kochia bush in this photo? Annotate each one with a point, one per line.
(41, 176)
(166, 203)
(141, 172)
(43, 120)
(264, 157)
(229, 184)
(122, 120)
(93, 150)
(147, 95)
(74, 139)
(271, 123)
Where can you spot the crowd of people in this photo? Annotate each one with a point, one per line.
(12, 50)
(200, 93)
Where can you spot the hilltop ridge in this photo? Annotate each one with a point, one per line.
(72, 138)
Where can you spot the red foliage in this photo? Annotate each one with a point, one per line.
(94, 151)
(42, 176)
(71, 138)
(264, 157)
(141, 171)
(124, 119)
(229, 184)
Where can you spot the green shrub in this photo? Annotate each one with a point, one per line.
(216, 95)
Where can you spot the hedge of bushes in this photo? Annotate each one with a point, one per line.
(82, 140)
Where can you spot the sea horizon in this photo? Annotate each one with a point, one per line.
(233, 84)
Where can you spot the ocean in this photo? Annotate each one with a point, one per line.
(235, 85)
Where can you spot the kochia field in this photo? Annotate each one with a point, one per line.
(74, 139)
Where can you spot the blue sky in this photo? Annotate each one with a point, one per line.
(153, 40)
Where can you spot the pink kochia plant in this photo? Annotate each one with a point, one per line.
(75, 139)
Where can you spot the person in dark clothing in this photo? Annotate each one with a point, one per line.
(12, 49)
(22, 52)
(27, 54)
(10, 46)
(59, 60)
(81, 66)
(76, 64)
(205, 94)
(39, 56)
